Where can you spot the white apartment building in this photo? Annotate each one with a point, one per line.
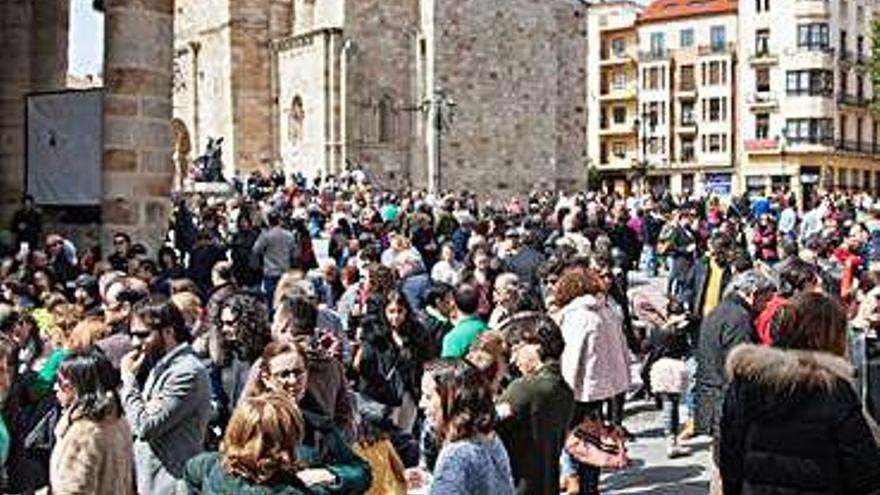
(805, 94)
(687, 94)
(612, 79)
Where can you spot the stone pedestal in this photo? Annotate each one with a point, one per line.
(138, 166)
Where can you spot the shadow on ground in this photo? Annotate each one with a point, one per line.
(670, 478)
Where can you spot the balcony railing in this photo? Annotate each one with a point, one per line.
(853, 100)
(856, 146)
(822, 140)
(653, 55)
(764, 57)
(687, 84)
(853, 57)
(716, 48)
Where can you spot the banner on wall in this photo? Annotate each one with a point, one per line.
(64, 147)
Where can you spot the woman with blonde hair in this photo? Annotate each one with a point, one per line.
(258, 454)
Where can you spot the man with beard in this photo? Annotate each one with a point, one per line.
(119, 297)
(237, 340)
(168, 411)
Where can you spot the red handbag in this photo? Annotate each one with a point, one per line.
(598, 444)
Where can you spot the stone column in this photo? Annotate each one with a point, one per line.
(138, 170)
(16, 24)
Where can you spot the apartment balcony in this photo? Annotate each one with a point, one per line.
(654, 56)
(763, 101)
(623, 129)
(763, 58)
(810, 143)
(850, 146)
(612, 94)
(851, 57)
(762, 146)
(610, 58)
(812, 8)
(853, 101)
(686, 126)
(717, 49)
(686, 88)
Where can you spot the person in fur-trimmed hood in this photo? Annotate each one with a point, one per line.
(792, 422)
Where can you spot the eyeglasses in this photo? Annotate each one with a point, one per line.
(228, 323)
(140, 334)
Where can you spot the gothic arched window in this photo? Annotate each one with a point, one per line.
(295, 120)
(386, 119)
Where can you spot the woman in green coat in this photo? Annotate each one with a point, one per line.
(258, 454)
(334, 468)
(536, 409)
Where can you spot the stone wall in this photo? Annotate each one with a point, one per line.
(381, 76)
(519, 95)
(16, 18)
(303, 74)
(34, 40)
(138, 170)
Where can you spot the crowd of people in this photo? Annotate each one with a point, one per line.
(331, 337)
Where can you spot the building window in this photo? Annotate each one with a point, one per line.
(762, 79)
(813, 36)
(296, 116)
(816, 131)
(715, 113)
(844, 80)
(386, 119)
(874, 129)
(843, 47)
(618, 79)
(619, 115)
(762, 5)
(658, 44)
(860, 47)
(655, 78)
(686, 37)
(762, 42)
(687, 113)
(687, 150)
(619, 149)
(762, 126)
(812, 82)
(618, 47)
(717, 73)
(843, 126)
(860, 88)
(714, 143)
(859, 124)
(717, 37)
(686, 78)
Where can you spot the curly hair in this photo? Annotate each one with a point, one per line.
(466, 400)
(252, 331)
(261, 439)
(576, 281)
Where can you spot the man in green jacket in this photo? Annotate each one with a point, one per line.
(468, 326)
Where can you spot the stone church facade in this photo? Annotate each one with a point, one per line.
(319, 85)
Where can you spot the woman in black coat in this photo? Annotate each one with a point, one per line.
(792, 422)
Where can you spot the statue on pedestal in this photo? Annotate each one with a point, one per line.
(209, 167)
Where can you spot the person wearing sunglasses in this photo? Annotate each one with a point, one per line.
(169, 406)
(93, 452)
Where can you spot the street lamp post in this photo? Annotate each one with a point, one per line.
(441, 107)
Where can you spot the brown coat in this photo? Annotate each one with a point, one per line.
(92, 457)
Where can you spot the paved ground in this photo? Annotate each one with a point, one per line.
(652, 473)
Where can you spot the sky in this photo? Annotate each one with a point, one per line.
(86, 49)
